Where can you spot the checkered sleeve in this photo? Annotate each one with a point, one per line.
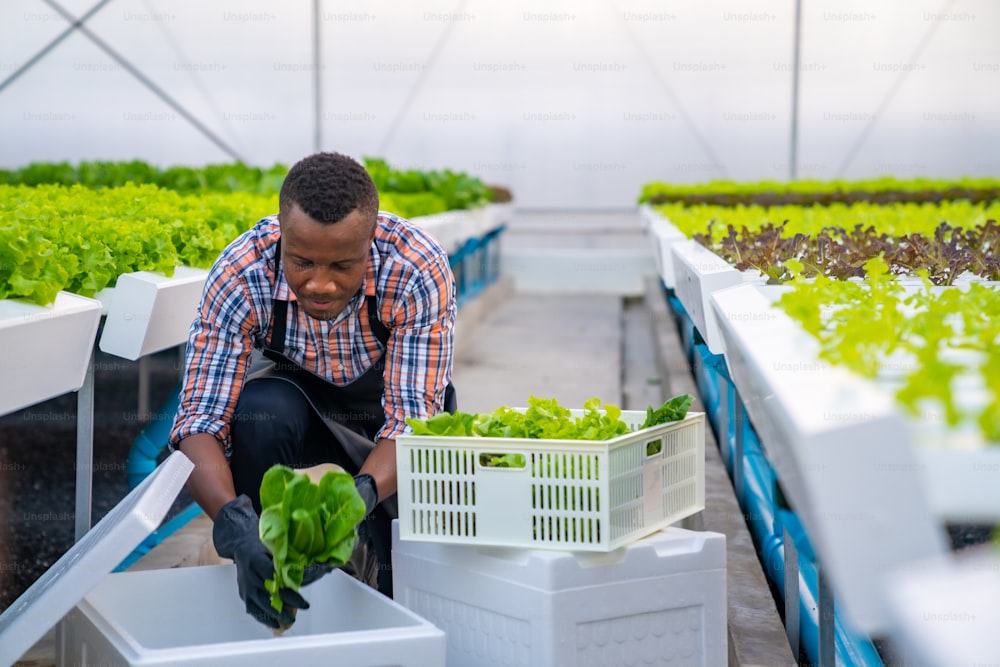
(218, 355)
(420, 349)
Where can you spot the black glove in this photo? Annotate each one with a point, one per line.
(236, 536)
(365, 484)
(314, 572)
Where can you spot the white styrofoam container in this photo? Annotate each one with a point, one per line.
(48, 348)
(582, 495)
(663, 235)
(699, 272)
(193, 616)
(95, 554)
(946, 611)
(498, 215)
(452, 229)
(567, 270)
(149, 312)
(820, 425)
(658, 601)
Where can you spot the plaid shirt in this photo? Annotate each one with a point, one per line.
(408, 273)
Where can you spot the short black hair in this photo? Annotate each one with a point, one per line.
(327, 187)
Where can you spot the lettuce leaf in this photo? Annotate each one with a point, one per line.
(673, 410)
(546, 419)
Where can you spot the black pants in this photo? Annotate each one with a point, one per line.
(274, 424)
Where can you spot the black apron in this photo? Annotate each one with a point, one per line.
(353, 413)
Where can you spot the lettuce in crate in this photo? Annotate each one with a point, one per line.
(545, 419)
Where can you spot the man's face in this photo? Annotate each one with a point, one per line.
(324, 264)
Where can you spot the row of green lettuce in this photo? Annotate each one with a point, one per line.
(54, 237)
(80, 239)
(937, 347)
(429, 191)
(884, 189)
(946, 240)
(929, 341)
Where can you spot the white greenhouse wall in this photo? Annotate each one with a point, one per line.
(571, 104)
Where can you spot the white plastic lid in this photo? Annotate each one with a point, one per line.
(87, 562)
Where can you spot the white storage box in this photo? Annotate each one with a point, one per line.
(663, 235)
(659, 601)
(193, 616)
(698, 273)
(149, 312)
(49, 348)
(946, 611)
(575, 495)
(820, 425)
(98, 552)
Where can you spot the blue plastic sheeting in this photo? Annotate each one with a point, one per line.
(142, 460)
(712, 376)
(163, 532)
(476, 264)
(766, 521)
(767, 524)
(463, 269)
(685, 326)
(148, 445)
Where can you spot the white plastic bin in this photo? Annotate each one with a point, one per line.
(698, 273)
(48, 348)
(193, 616)
(658, 601)
(149, 312)
(946, 611)
(581, 495)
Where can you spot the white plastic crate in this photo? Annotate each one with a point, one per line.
(193, 616)
(658, 601)
(569, 494)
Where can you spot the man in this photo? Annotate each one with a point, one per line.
(319, 332)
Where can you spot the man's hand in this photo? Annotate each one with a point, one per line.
(236, 536)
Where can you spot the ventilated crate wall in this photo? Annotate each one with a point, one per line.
(626, 489)
(443, 491)
(683, 464)
(565, 498)
(561, 494)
